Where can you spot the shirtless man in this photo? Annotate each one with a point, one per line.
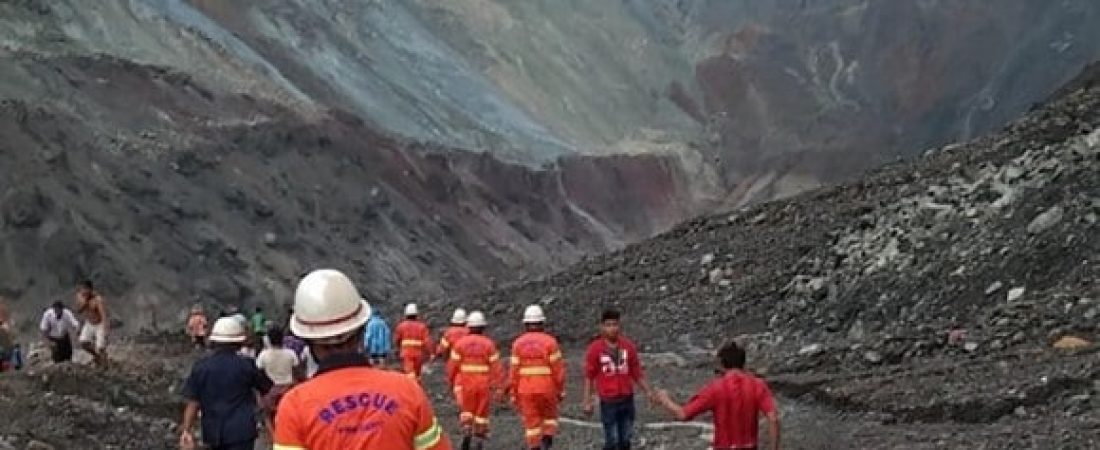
(93, 336)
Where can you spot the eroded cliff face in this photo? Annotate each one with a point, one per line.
(197, 150)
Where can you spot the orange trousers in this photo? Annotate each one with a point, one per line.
(540, 416)
(473, 404)
(412, 365)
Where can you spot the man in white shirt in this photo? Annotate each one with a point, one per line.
(57, 326)
(281, 366)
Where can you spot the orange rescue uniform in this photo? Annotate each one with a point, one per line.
(354, 406)
(473, 370)
(414, 343)
(538, 382)
(451, 336)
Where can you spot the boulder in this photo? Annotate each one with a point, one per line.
(1071, 343)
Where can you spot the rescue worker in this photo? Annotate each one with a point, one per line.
(414, 342)
(93, 336)
(196, 326)
(349, 405)
(612, 367)
(736, 400)
(223, 387)
(58, 325)
(475, 374)
(379, 339)
(537, 375)
(453, 333)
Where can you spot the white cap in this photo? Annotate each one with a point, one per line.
(228, 330)
(459, 316)
(533, 314)
(411, 310)
(476, 319)
(327, 305)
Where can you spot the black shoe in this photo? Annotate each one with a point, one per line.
(465, 443)
(547, 442)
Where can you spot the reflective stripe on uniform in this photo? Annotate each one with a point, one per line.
(455, 356)
(537, 370)
(287, 447)
(532, 432)
(554, 357)
(515, 360)
(481, 420)
(494, 357)
(550, 422)
(429, 438)
(474, 368)
(412, 343)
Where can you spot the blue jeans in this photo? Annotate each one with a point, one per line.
(617, 416)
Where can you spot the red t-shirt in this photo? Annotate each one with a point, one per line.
(614, 369)
(737, 399)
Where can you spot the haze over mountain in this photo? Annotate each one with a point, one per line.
(208, 150)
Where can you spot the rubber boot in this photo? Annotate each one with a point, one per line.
(465, 442)
(547, 442)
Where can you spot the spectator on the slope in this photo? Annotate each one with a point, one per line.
(58, 325)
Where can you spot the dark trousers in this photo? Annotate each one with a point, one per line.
(250, 445)
(617, 416)
(62, 350)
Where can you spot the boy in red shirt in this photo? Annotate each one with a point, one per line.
(737, 399)
(612, 366)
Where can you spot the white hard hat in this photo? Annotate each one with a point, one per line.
(533, 314)
(411, 310)
(327, 305)
(476, 319)
(228, 330)
(459, 316)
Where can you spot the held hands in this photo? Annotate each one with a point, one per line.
(588, 407)
(187, 441)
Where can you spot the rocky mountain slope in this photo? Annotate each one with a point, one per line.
(200, 150)
(954, 295)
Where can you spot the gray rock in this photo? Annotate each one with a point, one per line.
(856, 332)
(971, 347)
(707, 259)
(716, 276)
(811, 350)
(873, 357)
(1046, 220)
(993, 288)
(1016, 293)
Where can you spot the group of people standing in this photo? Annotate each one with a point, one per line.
(353, 402)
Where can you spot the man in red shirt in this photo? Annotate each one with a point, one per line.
(612, 366)
(736, 399)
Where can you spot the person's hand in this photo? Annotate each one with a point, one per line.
(187, 440)
(588, 407)
(661, 396)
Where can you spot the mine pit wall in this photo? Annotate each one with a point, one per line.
(221, 210)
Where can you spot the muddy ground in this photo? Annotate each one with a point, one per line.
(951, 402)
